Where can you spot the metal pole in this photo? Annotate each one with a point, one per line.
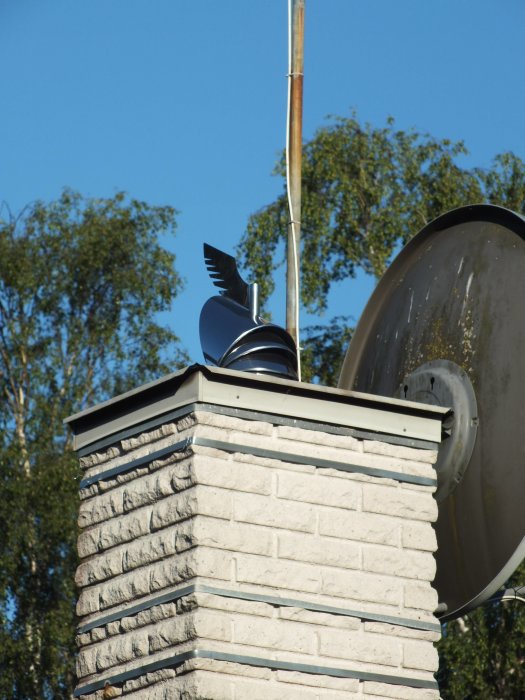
(295, 128)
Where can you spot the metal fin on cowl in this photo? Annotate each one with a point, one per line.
(232, 333)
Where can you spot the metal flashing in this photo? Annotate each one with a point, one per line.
(314, 461)
(135, 463)
(249, 414)
(277, 601)
(233, 447)
(178, 659)
(137, 428)
(204, 384)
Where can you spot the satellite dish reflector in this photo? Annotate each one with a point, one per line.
(446, 325)
(232, 333)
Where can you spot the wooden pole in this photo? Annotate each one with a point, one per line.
(295, 128)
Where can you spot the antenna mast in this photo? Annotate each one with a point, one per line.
(294, 129)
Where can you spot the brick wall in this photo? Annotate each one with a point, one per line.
(285, 563)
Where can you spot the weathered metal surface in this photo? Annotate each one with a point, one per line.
(443, 383)
(455, 292)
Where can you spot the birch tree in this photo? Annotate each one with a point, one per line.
(81, 283)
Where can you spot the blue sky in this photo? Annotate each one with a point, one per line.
(183, 103)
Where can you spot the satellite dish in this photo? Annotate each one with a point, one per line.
(446, 325)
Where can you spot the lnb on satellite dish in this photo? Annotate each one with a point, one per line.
(445, 325)
(231, 331)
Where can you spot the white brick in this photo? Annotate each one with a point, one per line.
(400, 451)
(213, 625)
(236, 537)
(150, 440)
(120, 649)
(336, 695)
(96, 458)
(399, 501)
(274, 464)
(421, 655)
(174, 509)
(148, 549)
(202, 561)
(161, 612)
(226, 667)
(361, 527)
(234, 436)
(274, 634)
(138, 492)
(229, 474)
(123, 529)
(400, 631)
(88, 492)
(233, 605)
(261, 510)
(313, 450)
(399, 692)
(185, 423)
(202, 500)
(319, 550)
(87, 543)
(139, 645)
(163, 677)
(128, 623)
(83, 640)
(326, 449)
(100, 508)
(152, 487)
(88, 602)
(86, 662)
(263, 690)
(99, 568)
(122, 589)
(319, 489)
(107, 483)
(368, 648)
(399, 562)
(131, 555)
(278, 574)
(170, 632)
(420, 596)
(170, 461)
(339, 685)
(224, 422)
(124, 477)
(359, 586)
(173, 689)
(319, 618)
(184, 535)
(317, 437)
(419, 535)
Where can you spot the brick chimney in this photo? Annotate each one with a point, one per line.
(249, 537)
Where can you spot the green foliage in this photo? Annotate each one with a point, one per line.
(365, 190)
(80, 283)
(482, 655)
(323, 350)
